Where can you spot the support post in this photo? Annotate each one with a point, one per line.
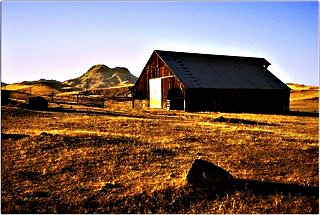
(52, 93)
(132, 102)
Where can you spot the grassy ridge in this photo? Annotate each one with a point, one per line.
(304, 98)
(136, 161)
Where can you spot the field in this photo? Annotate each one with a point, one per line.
(77, 159)
(117, 160)
(304, 98)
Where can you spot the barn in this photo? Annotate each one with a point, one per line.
(205, 82)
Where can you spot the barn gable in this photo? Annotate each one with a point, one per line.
(203, 82)
(156, 68)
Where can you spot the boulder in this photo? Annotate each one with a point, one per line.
(38, 103)
(205, 174)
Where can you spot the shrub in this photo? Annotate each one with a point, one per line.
(5, 97)
(38, 103)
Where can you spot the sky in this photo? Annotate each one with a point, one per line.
(61, 40)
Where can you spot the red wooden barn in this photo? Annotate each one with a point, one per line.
(203, 82)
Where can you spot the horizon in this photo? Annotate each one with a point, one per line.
(63, 40)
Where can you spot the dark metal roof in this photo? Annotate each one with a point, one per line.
(220, 71)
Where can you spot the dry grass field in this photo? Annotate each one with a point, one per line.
(304, 98)
(118, 160)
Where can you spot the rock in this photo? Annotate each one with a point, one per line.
(205, 174)
(45, 134)
(38, 103)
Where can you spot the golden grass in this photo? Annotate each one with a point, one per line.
(135, 161)
(121, 86)
(37, 89)
(304, 98)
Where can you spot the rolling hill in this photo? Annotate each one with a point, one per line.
(101, 76)
(97, 77)
(304, 98)
(40, 87)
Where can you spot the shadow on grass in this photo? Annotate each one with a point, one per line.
(168, 200)
(179, 200)
(23, 111)
(267, 188)
(95, 112)
(13, 136)
(56, 141)
(300, 113)
(38, 202)
(285, 113)
(241, 121)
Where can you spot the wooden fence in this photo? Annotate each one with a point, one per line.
(73, 99)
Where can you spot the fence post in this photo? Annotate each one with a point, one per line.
(52, 96)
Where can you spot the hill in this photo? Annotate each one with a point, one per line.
(101, 76)
(304, 98)
(39, 87)
(97, 77)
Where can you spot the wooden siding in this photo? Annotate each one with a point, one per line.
(156, 68)
(237, 100)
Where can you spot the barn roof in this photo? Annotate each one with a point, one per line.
(220, 71)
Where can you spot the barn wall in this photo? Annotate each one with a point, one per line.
(237, 100)
(156, 68)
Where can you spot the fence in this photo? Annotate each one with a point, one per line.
(74, 99)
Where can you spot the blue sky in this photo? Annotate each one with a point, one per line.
(62, 40)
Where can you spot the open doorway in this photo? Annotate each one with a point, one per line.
(176, 98)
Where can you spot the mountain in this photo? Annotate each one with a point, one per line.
(101, 76)
(97, 77)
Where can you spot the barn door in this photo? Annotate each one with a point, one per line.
(155, 93)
